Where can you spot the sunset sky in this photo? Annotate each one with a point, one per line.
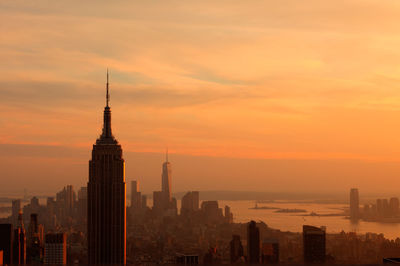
(247, 95)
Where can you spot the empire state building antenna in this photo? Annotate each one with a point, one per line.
(108, 95)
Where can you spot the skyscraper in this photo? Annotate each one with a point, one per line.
(136, 196)
(253, 243)
(16, 207)
(144, 201)
(228, 215)
(354, 204)
(166, 178)
(190, 202)
(107, 198)
(82, 206)
(313, 244)
(159, 202)
(35, 240)
(394, 206)
(70, 198)
(19, 252)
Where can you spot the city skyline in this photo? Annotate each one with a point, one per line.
(243, 132)
(233, 85)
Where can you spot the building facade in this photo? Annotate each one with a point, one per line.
(55, 249)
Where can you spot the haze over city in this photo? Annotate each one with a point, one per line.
(265, 96)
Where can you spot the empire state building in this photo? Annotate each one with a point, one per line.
(106, 198)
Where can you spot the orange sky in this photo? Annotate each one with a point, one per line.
(235, 79)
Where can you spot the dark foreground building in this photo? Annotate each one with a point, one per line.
(236, 249)
(313, 244)
(19, 252)
(106, 198)
(55, 249)
(6, 242)
(253, 243)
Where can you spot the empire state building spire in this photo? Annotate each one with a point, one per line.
(107, 136)
(107, 95)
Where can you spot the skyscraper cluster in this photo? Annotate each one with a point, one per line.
(383, 210)
(21, 246)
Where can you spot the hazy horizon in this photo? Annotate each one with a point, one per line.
(69, 165)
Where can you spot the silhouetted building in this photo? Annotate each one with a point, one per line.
(144, 201)
(6, 242)
(107, 198)
(379, 207)
(82, 205)
(394, 206)
(35, 240)
(228, 215)
(253, 243)
(212, 212)
(236, 249)
(270, 251)
(19, 251)
(55, 249)
(354, 204)
(313, 244)
(166, 178)
(35, 202)
(385, 207)
(196, 200)
(160, 201)
(70, 200)
(136, 197)
(51, 215)
(190, 202)
(16, 207)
